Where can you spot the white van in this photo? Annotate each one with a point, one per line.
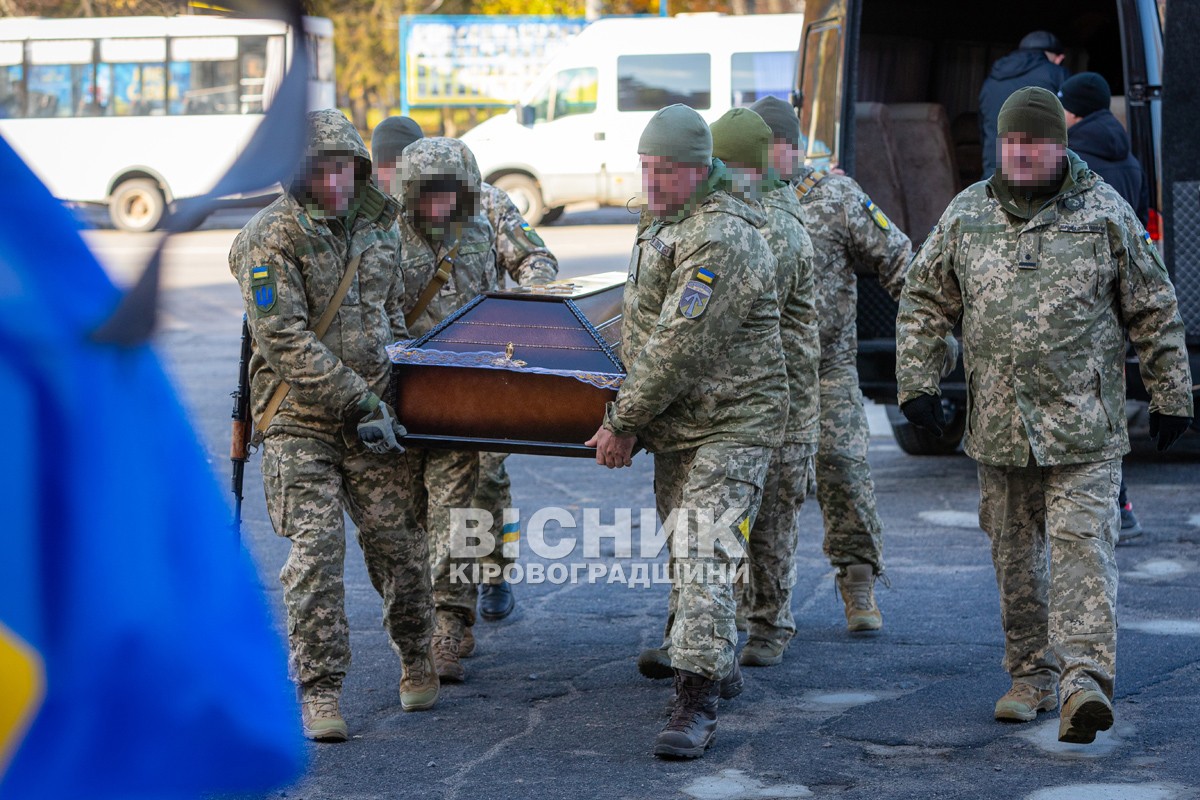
(573, 137)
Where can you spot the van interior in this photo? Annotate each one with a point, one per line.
(920, 67)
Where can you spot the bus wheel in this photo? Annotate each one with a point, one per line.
(137, 205)
(525, 194)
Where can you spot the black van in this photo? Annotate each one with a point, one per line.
(889, 91)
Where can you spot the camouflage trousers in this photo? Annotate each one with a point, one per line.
(308, 484)
(494, 496)
(714, 479)
(766, 597)
(1053, 530)
(845, 490)
(444, 480)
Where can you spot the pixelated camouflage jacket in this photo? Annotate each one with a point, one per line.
(849, 235)
(798, 324)
(479, 256)
(700, 334)
(289, 265)
(520, 251)
(1045, 304)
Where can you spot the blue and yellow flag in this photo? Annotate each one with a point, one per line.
(137, 656)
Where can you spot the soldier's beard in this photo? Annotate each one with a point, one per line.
(1039, 183)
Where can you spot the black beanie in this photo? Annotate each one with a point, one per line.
(1085, 93)
(780, 117)
(1042, 40)
(391, 136)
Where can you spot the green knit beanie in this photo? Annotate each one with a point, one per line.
(741, 138)
(1034, 112)
(780, 117)
(678, 133)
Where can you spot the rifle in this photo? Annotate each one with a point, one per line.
(243, 426)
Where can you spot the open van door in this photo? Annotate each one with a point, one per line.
(1180, 189)
(825, 82)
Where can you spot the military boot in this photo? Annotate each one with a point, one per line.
(760, 652)
(496, 601)
(1085, 712)
(1023, 702)
(447, 644)
(655, 663)
(856, 583)
(693, 722)
(419, 685)
(466, 648)
(733, 683)
(321, 718)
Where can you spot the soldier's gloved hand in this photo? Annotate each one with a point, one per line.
(379, 430)
(925, 411)
(1167, 429)
(950, 361)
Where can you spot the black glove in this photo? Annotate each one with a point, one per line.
(925, 411)
(1167, 429)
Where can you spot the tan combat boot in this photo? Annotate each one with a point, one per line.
(321, 718)
(466, 648)
(760, 652)
(419, 686)
(1023, 702)
(447, 648)
(856, 583)
(1085, 712)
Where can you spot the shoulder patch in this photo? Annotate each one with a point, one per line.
(666, 250)
(877, 215)
(697, 293)
(262, 288)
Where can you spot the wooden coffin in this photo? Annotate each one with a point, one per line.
(526, 370)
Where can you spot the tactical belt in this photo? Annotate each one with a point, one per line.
(805, 186)
(444, 268)
(323, 324)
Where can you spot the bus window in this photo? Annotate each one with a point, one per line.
(131, 79)
(61, 78)
(204, 75)
(320, 57)
(822, 90)
(575, 91)
(12, 88)
(253, 80)
(758, 75)
(648, 83)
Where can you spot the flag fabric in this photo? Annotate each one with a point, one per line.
(137, 655)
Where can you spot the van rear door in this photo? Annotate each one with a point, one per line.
(825, 82)
(1181, 161)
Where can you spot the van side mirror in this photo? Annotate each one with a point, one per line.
(525, 115)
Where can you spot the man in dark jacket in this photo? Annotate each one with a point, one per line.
(1096, 136)
(1037, 61)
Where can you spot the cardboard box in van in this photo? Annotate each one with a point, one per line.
(573, 137)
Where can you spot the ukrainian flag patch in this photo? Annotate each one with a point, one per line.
(880, 219)
(705, 276)
(260, 273)
(1146, 236)
(262, 289)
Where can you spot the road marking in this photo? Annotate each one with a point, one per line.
(1157, 569)
(1108, 791)
(951, 519)
(1164, 627)
(733, 784)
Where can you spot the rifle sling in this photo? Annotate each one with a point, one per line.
(281, 391)
(445, 266)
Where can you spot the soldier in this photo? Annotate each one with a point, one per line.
(292, 261)
(706, 393)
(450, 257)
(741, 140)
(1044, 264)
(848, 230)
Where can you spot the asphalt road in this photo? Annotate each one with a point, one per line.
(554, 707)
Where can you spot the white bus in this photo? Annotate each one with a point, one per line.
(133, 112)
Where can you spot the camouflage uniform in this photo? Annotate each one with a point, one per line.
(848, 232)
(448, 479)
(706, 392)
(1043, 295)
(289, 260)
(773, 539)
